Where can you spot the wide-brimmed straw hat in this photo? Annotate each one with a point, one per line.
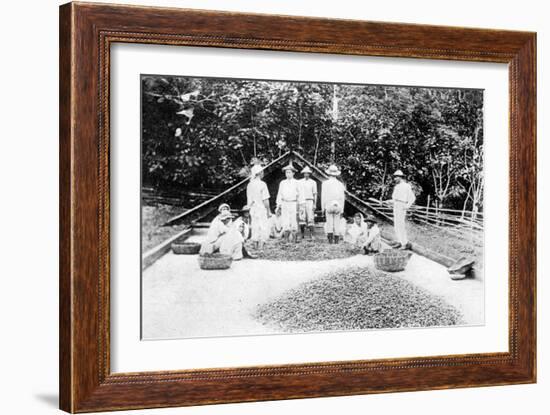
(333, 170)
(398, 173)
(289, 167)
(306, 170)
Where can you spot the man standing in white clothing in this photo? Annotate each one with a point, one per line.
(333, 198)
(402, 198)
(257, 196)
(308, 187)
(288, 198)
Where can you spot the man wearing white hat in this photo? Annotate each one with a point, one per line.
(332, 201)
(288, 198)
(257, 196)
(308, 188)
(402, 198)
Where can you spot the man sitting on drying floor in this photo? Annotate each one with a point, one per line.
(216, 232)
(372, 242)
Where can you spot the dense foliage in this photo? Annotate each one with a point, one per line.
(202, 133)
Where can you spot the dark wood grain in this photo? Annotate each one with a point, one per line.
(86, 33)
(65, 245)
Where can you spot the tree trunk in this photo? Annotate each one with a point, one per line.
(300, 125)
(317, 139)
(334, 121)
(428, 206)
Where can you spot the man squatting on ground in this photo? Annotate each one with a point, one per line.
(227, 236)
(232, 243)
(365, 235)
(332, 201)
(403, 198)
(245, 217)
(288, 198)
(308, 188)
(257, 195)
(224, 207)
(276, 225)
(217, 231)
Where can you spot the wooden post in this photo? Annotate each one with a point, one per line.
(428, 206)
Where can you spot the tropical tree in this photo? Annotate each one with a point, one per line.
(204, 133)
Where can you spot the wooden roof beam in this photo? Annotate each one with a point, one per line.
(204, 209)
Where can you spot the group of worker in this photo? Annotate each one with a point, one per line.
(295, 214)
(297, 199)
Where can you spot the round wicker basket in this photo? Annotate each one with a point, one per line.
(186, 248)
(392, 260)
(215, 261)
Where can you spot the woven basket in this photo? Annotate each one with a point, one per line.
(392, 260)
(186, 248)
(215, 261)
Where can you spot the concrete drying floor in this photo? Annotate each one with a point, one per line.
(180, 300)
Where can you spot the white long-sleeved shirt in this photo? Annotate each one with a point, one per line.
(403, 193)
(332, 189)
(308, 189)
(289, 191)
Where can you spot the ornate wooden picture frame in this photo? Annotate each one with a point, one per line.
(87, 32)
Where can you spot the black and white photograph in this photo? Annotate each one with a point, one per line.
(285, 207)
(275, 207)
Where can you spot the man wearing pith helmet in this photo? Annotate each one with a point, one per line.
(402, 198)
(257, 196)
(333, 198)
(288, 198)
(308, 187)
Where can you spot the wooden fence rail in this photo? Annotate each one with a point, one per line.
(444, 220)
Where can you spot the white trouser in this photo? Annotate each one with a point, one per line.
(288, 216)
(399, 215)
(210, 247)
(232, 246)
(307, 213)
(335, 224)
(259, 226)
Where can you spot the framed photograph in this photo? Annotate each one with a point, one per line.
(258, 207)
